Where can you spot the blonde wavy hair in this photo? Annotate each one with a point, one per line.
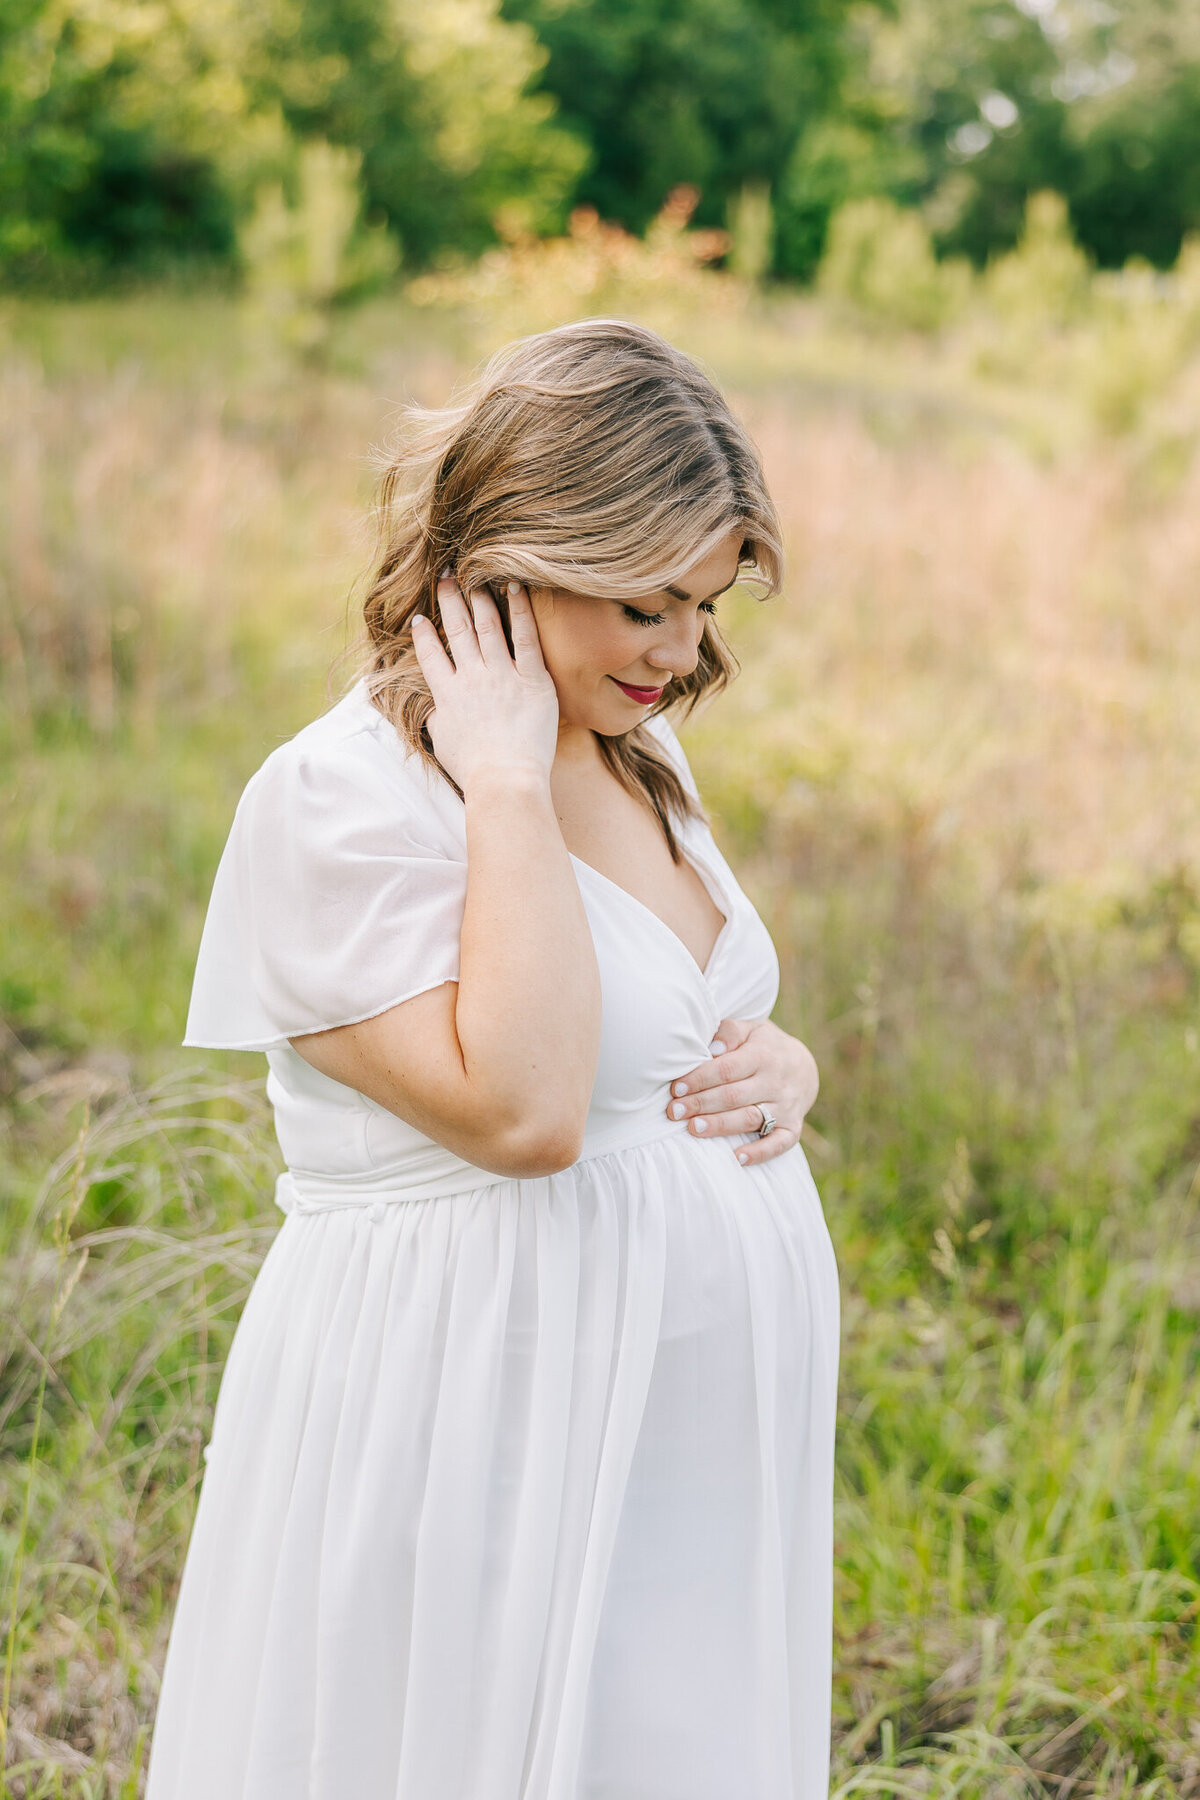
(595, 458)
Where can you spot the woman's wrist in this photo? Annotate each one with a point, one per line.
(500, 781)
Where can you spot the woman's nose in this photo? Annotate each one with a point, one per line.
(678, 653)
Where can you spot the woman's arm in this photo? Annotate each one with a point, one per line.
(499, 1066)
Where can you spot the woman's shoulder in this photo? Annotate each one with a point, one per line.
(350, 757)
(339, 891)
(351, 733)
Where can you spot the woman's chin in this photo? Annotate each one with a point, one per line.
(615, 721)
(607, 718)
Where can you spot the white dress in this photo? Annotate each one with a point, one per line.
(516, 1489)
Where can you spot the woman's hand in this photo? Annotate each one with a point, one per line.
(493, 711)
(757, 1063)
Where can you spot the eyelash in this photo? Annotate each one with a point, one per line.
(641, 618)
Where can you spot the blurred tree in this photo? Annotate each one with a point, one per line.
(835, 162)
(433, 95)
(1131, 84)
(967, 107)
(750, 231)
(879, 261)
(112, 131)
(133, 135)
(1046, 279)
(714, 93)
(956, 100)
(304, 258)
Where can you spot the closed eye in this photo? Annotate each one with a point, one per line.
(641, 618)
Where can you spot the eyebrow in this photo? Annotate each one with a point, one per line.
(678, 593)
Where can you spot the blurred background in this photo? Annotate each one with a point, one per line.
(944, 255)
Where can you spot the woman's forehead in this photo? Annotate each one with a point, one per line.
(700, 578)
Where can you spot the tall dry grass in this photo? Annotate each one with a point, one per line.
(1015, 645)
(124, 1268)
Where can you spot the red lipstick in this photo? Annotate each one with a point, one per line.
(643, 696)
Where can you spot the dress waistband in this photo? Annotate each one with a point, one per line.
(435, 1174)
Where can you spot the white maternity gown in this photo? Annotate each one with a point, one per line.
(516, 1489)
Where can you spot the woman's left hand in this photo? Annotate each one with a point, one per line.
(756, 1063)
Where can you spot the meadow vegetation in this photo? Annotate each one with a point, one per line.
(957, 773)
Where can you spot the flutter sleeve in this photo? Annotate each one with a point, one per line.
(338, 895)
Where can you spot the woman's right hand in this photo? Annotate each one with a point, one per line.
(492, 710)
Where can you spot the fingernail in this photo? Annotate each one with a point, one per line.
(675, 1110)
(443, 574)
(420, 616)
(513, 587)
(701, 1124)
(680, 1087)
(717, 1047)
(742, 1157)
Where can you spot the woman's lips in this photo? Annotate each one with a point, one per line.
(643, 696)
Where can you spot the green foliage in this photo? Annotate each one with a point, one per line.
(129, 143)
(434, 97)
(301, 260)
(111, 142)
(879, 259)
(1120, 340)
(835, 161)
(134, 144)
(1046, 277)
(1111, 350)
(1133, 133)
(961, 96)
(986, 102)
(712, 93)
(751, 232)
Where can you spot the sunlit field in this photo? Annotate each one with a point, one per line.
(958, 774)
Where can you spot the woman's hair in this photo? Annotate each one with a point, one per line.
(594, 457)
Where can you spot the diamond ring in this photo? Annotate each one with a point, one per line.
(768, 1123)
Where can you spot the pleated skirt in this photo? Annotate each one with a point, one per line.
(522, 1493)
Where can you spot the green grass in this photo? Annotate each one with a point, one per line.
(999, 979)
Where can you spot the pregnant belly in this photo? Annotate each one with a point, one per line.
(734, 1241)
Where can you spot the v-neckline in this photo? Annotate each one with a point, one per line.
(702, 868)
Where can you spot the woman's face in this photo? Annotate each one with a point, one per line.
(597, 650)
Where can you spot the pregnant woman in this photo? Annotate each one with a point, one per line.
(520, 1479)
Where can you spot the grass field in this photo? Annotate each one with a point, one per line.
(958, 774)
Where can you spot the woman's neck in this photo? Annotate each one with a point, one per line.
(577, 748)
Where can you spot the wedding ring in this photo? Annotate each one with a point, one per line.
(768, 1123)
